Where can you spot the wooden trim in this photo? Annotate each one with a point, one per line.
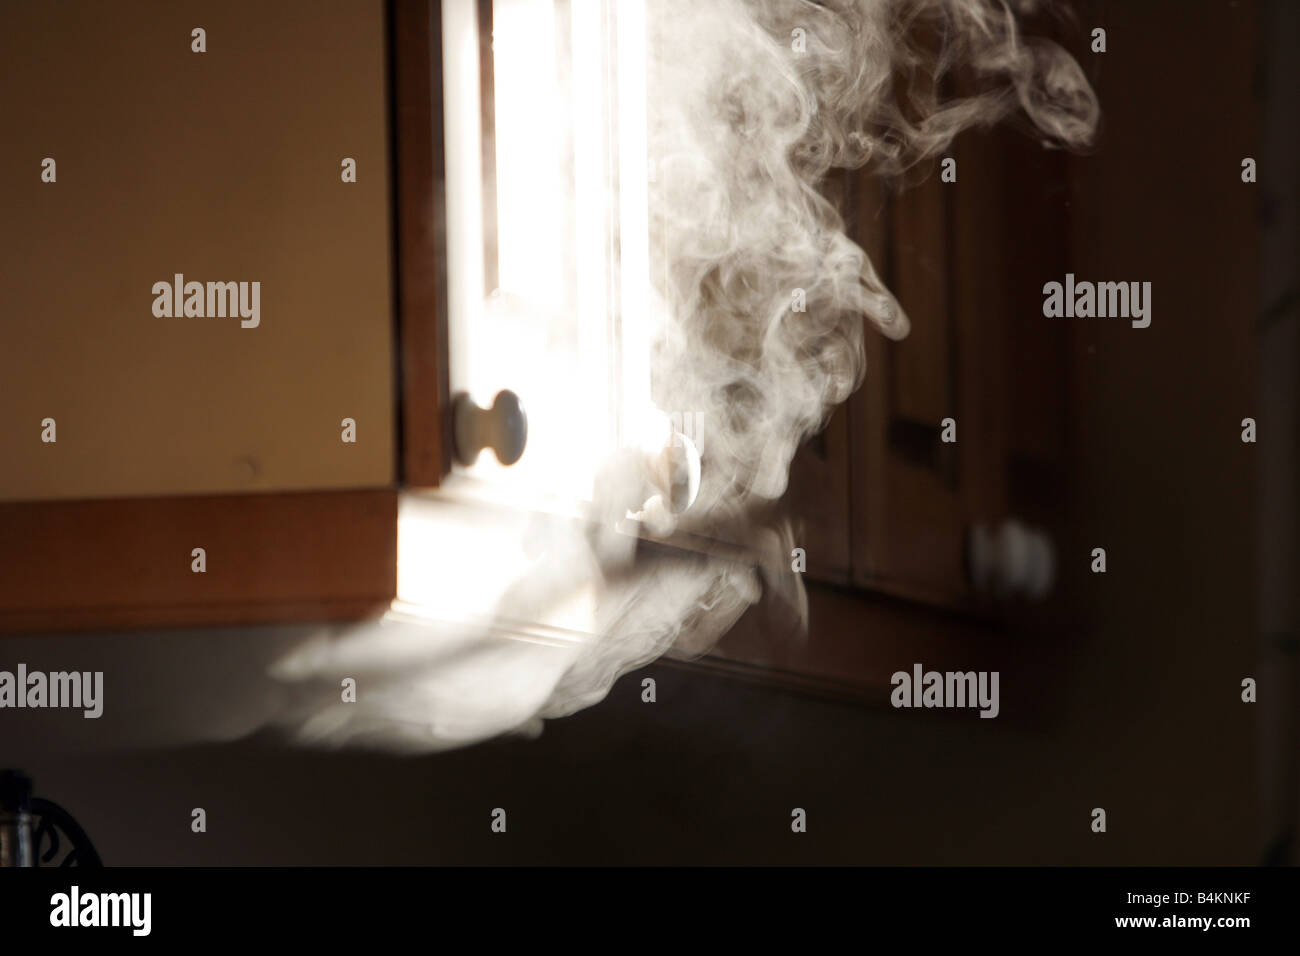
(127, 563)
(868, 221)
(420, 215)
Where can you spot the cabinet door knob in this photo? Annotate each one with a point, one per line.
(503, 428)
(1012, 561)
(675, 473)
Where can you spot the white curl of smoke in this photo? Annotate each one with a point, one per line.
(752, 103)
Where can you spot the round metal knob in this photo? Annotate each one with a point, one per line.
(503, 428)
(1013, 561)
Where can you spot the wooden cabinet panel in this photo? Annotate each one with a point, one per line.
(226, 166)
(922, 369)
(909, 516)
(867, 216)
(221, 166)
(819, 482)
(967, 261)
(125, 564)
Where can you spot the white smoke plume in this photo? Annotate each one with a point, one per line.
(746, 127)
(752, 103)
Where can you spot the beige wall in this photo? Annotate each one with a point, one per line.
(223, 166)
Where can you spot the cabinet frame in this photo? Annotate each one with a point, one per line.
(125, 563)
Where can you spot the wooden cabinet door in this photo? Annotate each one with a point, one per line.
(221, 166)
(882, 500)
(134, 152)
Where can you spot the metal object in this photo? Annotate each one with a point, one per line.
(15, 819)
(1013, 561)
(503, 428)
(38, 832)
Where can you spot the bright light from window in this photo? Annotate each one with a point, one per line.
(567, 325)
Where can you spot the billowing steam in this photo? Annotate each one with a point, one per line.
(752, 103)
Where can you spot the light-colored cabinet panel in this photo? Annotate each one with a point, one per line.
(221, 166)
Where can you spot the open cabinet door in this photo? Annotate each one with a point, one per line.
(547, 237)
